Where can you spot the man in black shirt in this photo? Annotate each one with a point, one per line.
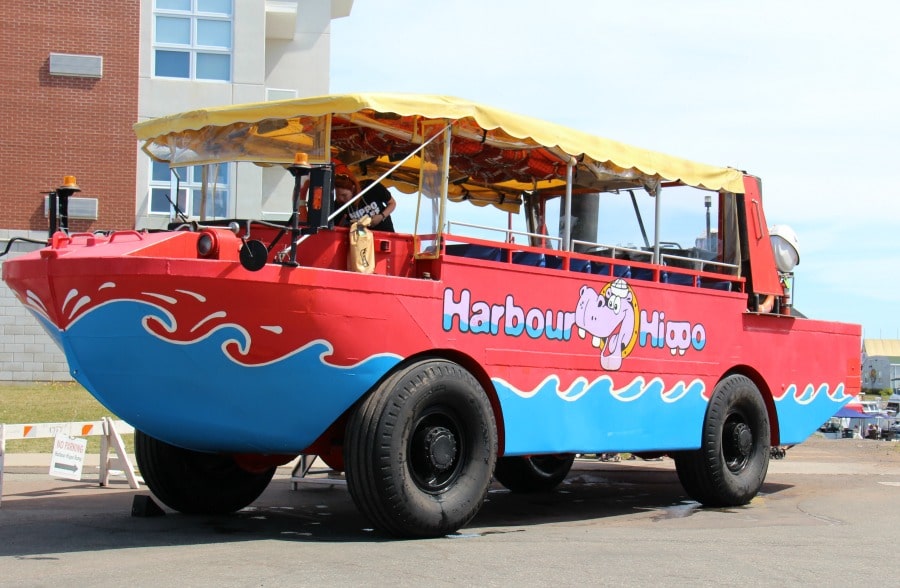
(377, 203)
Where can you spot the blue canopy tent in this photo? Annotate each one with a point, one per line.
(864, 427)
(851, 413)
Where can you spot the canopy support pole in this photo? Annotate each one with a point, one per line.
(567, 234)
(656, 221)
(445, 186)
(204, 186)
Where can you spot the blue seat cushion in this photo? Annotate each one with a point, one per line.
(475, 251)
(529, 258)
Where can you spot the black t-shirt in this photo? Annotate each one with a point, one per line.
(373, 202)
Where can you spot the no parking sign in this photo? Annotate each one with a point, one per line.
(68, 457)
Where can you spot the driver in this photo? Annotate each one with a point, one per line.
(377, 203)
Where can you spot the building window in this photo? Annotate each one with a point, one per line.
(192, 39)
(187, 184)
(280, 94)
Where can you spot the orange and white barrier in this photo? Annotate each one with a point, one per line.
(109, 429)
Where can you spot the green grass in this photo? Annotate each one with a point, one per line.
(53, 402)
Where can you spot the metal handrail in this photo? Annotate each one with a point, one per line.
(699, 261)
(507, 232)
(613, 248)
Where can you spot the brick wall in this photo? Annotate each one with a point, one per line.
(56, 126)
(27, 353)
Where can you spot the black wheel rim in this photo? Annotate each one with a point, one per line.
(436, 451)
(737, 442)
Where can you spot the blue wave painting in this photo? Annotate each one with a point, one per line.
(590, 417)
(595, 416)
(193, 395)
(799, 416)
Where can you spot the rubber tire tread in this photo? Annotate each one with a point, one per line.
(360, 471)
(390, 504)
(703, 473)
(193, 482)
(520, 474)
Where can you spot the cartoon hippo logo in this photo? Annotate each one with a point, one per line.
(610, 318)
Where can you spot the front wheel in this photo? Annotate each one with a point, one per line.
(536, 473)
(731, 464)
(193, 482)
(420, 450)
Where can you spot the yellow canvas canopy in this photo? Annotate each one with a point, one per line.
(495, 155)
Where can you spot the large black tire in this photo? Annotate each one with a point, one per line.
(731, 464)
(193, 482)
(420, 450)
(537, 473)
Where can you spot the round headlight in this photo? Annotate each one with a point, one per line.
(785, 246)
(207, 244)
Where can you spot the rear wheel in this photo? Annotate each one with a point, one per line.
(420, 450)
(537, 473)
(193, 482)
(731, 464)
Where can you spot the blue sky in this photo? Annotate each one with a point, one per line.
(805, 95)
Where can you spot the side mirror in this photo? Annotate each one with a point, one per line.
(254, 255)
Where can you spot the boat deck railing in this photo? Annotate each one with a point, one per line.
(615, 261)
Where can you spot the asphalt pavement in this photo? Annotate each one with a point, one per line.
(825, 517)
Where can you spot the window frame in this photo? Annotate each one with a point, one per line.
(192, 48)
(187, 187)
